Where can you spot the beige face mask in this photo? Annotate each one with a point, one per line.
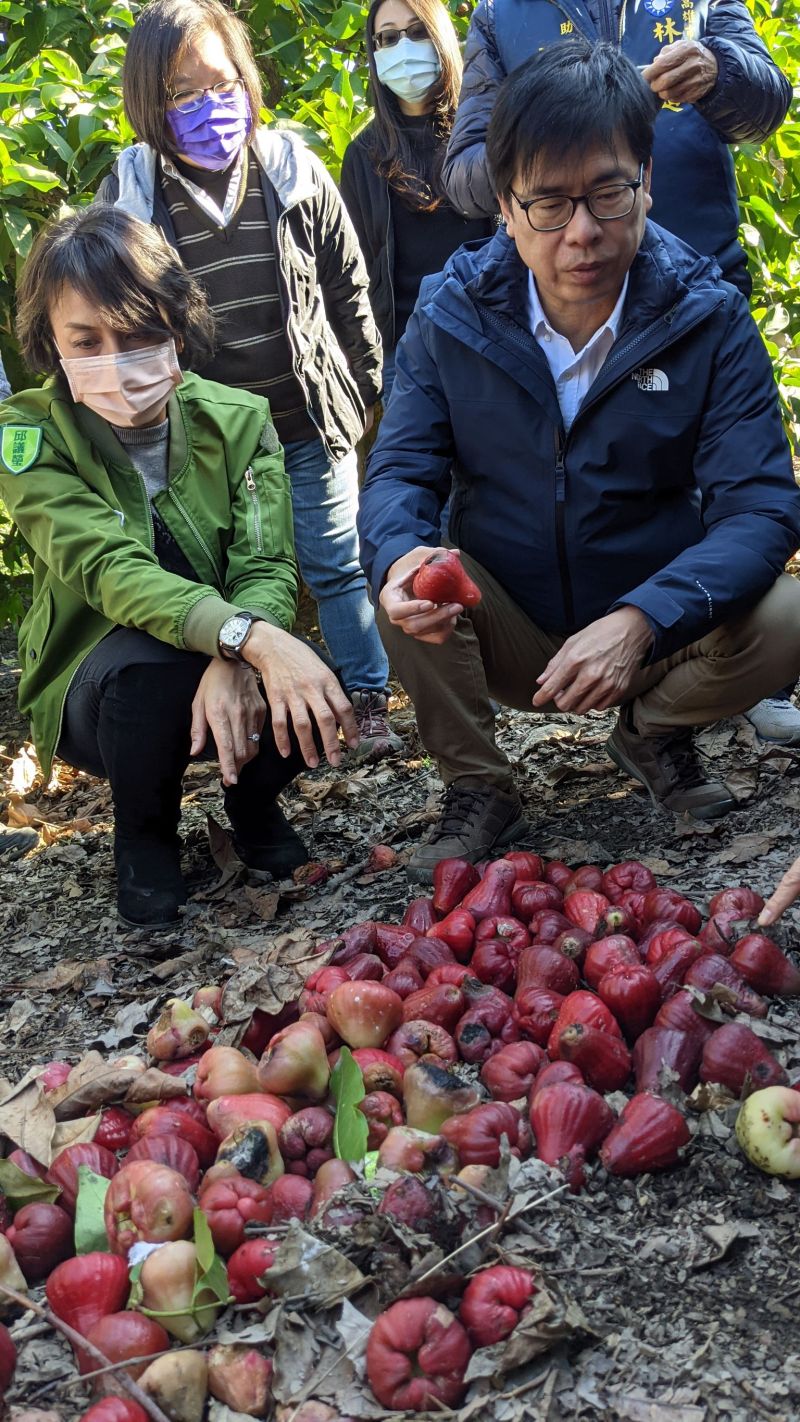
(127, 389)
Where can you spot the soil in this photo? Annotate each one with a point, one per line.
(687, 1282)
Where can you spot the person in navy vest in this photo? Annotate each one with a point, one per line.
(704, 61)
(623, 493)
(717, 85)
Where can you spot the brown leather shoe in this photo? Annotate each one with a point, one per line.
(476, 821)
(668, 768)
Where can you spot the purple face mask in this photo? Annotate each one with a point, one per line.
(212, 135)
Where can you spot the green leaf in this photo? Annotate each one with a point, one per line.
(21, 1189)
(32, 176)
(203, 1241)
(211, 1271)
(90, 1229)
(64, 65)
(350, 1129)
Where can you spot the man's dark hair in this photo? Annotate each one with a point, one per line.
(565, 98)
(155, 47)
(125, 268)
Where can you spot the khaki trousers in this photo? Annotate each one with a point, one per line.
(495, 651)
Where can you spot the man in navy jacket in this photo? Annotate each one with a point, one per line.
(622, 488)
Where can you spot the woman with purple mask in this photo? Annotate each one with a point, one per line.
(255, 218)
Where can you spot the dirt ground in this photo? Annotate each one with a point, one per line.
(687, 1283)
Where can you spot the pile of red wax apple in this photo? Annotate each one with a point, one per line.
(498, 1016)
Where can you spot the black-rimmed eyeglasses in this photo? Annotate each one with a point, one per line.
(612, 200)
(187, 100)
(387, 39)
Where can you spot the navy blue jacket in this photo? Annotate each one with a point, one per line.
(672, 491)
(694, 191)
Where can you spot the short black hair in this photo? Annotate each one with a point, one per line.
(128, 271)
(156, 43)
(567, 97)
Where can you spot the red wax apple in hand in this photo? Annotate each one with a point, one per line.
(441, 578)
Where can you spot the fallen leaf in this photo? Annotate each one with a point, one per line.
(629, 1407)
(154, 1085)
(263, 903)
(129, 1017)
(90, 1084)
(24, 770)
(746, 847)
(77, 1132)
(305, 1269)
(67, 974)
(27, 1118)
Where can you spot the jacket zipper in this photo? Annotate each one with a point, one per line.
(249, 479)
(283, 218)
(562, 440)
(198, 535)
(561, 536)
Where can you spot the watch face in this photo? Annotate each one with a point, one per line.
(233, 632)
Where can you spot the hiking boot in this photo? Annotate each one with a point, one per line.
(668, 768)
(150, 887)
(476, 819)
(776, 718)
(279, 850)
(376, 737)
(14, 842)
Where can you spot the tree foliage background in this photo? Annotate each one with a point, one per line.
(61, 124)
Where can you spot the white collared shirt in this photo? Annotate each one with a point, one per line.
(573, 374)
(220, 215)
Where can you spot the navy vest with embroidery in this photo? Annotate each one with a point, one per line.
(694, 190)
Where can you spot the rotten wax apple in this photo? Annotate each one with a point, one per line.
(493, 1303)
(417, 1355)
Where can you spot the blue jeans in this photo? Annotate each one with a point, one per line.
(324, 503)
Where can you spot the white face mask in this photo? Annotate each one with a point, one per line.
(408, 68)
(127, 389)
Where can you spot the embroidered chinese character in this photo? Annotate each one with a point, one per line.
(665, 30)
(567, 27)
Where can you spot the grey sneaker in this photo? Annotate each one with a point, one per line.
(475, 820)
(14, 842)
(668, 768)
(776, 718)
(377, 739)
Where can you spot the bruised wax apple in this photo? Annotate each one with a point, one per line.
(768, 1130)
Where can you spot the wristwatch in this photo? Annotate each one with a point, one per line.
(233, 634)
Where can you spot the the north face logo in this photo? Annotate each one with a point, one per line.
(649, 377)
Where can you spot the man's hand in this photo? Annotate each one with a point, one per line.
(594, 668)
(301, 688)
(787, 891)
(229, 705)
(682, 73)
(420, 618)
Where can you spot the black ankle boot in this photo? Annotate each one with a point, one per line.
(278, 849)
(150, 888)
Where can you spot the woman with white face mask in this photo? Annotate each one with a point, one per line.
(158, 513)
(391, 179)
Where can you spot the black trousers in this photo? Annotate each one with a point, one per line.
(128, 718)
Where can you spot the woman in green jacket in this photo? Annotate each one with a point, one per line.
(158, 515)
